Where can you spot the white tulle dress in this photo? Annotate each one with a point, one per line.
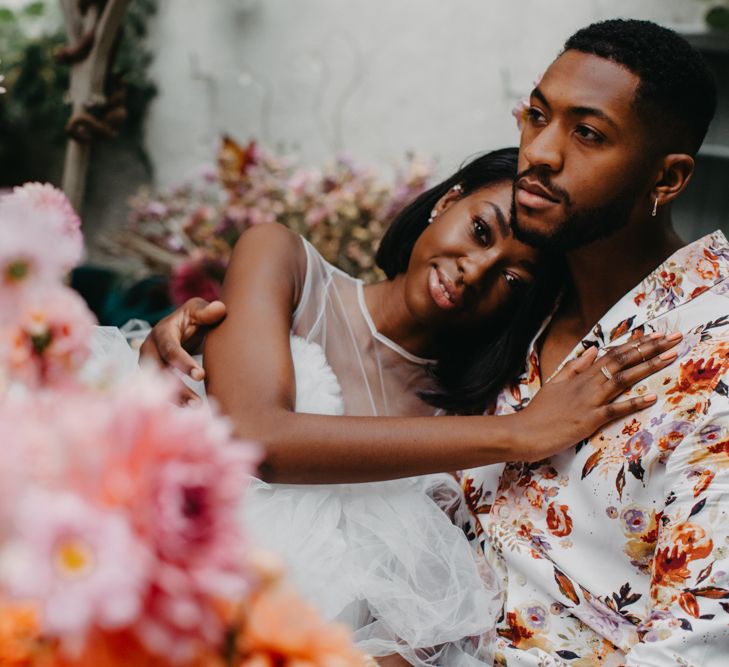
(387, 558)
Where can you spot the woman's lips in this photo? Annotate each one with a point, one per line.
(442, 290)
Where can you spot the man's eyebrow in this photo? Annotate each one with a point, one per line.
(592, 111)
(504, 227)
(540, 96)
(578, 110)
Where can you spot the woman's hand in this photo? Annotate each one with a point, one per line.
(173, 338)
(579, 399)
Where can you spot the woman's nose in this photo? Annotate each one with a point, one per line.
(475, 268)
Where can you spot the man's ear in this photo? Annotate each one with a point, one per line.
(675, 173)
(450, 197)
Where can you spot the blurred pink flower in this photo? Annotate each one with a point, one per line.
(200, 275)
(181, 476)
(48, 338)
(46, 199)
(81, 562)
(35, 244)
(521, 109)
(51, 205)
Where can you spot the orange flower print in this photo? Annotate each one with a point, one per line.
(687, 542)
(559, 521)
(474, 497)
(707, 267)
(670, 280)
(528, 626)
(535, 495)
(696, 376)
(704, 479)
(632, 428)
(670, 435)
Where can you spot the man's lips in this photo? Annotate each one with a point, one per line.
(443, 290)
(533, 195)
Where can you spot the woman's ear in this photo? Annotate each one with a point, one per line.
(449, 198)
(673, 177)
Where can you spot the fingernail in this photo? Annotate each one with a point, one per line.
(197, 374)
(670, 354)
(657, 334)
(674, 336)
(649, 398)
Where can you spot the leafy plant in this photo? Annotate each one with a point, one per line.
(34, 110)
(718, 17)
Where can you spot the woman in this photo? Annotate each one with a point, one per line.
(446, 330)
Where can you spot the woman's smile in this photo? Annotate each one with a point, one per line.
(443, 290)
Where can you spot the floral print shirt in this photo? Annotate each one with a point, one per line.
(616, 552)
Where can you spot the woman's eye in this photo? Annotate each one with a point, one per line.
(588, 134)
(481, 231)
(513, 281)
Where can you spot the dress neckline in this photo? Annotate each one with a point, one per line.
(384, 339)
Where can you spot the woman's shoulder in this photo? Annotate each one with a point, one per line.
(274, 239)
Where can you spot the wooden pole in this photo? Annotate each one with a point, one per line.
(92, 34)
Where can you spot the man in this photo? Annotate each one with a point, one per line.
(615, 552)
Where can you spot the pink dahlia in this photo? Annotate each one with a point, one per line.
(38, 242)
(49, 201)
(181, 476)
(201, 275)
(48, 338)
(82, 563)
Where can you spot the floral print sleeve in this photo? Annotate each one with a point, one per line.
(616, 552)
(689, 585)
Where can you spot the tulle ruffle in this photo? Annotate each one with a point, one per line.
(386, 559)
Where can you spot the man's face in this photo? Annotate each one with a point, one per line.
(583, 163)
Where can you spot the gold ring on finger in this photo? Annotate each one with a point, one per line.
(640, 352)
(606, 372)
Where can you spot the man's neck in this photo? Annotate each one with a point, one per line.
(599, 276)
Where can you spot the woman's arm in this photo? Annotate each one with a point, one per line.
(250, 373)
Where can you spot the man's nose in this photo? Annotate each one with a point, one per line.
(544, 148)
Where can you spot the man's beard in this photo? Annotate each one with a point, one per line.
(577, 228)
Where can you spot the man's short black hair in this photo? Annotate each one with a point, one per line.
(677, 91)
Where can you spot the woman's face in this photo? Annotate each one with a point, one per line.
(467, 265)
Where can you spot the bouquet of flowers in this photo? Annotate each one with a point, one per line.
(120, 536)
(343, 209)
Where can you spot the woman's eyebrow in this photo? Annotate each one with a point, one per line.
(504, 227)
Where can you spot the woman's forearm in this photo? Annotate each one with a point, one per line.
(315, 449)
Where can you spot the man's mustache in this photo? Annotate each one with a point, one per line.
(541, 177)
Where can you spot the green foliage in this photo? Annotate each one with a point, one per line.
(718, 17)
(34, 111)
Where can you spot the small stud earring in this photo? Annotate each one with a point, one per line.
(457, 188)
(655, 207)
(433, 213)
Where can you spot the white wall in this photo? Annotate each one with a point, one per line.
(372, 77)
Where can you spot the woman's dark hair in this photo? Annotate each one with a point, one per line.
(397, 244)
(472, 370)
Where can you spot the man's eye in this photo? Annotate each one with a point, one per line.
(481, 231)
(586, 133)
(535, 116)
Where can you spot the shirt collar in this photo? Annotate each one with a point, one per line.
(690, 271)
(693, 269)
